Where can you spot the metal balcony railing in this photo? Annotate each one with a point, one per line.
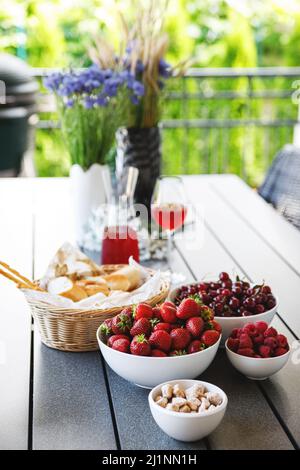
(219, 120)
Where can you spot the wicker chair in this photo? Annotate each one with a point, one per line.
(282, 184)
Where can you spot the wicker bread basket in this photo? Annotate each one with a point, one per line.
(75, 330)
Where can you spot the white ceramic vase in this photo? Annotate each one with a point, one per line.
(88, 191)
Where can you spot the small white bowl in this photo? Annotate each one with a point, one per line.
(147, 371)
(256, 368)
(185, 426)
(229, 323)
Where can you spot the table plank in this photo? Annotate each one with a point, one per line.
(71, 402)
(239, 429)
(249, 250)
(15, 321)
(262, 218)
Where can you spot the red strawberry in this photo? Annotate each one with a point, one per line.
(187, 309)
(195, 326)
(114, 338)
(213, 325)
(162, 326)
(168, 312)
(245, 341)
(121, 345)
(160, 340)
(158, 353)
(233, 344)
(261, 326)
(179, 352)
(141, 326)
(206, 313)
(246, 352)
(282, 341)
(156, 312)
(143, 310)
(195, 346)
(270, 332)
(121, 324)
(250, 329)
(210, 337)
(280, 351)
(181, 337)
(140, 346)
(128, 311)
(271, 342)
(105, 330)
(259, 339)
(264, 351)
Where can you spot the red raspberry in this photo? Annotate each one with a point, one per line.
(271, 342)
(282, 341)
(280, 352)
(234, 333)
(257, 356)
(245, 341)
(233, 344)
(270, 332)
(264, 351)
(250, 329)
(245, 352)
(259, 339)
(261, 326)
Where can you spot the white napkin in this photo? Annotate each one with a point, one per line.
(150, 287)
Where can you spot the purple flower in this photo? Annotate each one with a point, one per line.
(164, 69)
(138, 88)
(101, 100)
(134, 99)
(69, 103)
(139, 67)
(89, 102)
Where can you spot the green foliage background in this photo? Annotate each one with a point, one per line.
(217, 33)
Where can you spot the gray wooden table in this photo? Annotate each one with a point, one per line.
(55, 400)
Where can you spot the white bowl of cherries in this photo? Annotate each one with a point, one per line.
(234, 302)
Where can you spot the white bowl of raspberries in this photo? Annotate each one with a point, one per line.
(234, 302)
(257, 350)
(150, 345)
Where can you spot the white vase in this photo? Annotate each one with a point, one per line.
(89, 189)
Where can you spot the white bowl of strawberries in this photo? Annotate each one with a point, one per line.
(257, 350)
(150, 345)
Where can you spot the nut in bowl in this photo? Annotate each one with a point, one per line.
(257, 351)
(234, 302)
(148, 345)
(187, 410)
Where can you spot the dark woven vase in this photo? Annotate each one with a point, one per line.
(140, 148)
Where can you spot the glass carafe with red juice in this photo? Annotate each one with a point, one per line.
(118, 244)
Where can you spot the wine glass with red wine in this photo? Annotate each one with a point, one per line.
(169, 205)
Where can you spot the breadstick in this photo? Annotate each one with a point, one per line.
(12, 278)
(16, 277)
